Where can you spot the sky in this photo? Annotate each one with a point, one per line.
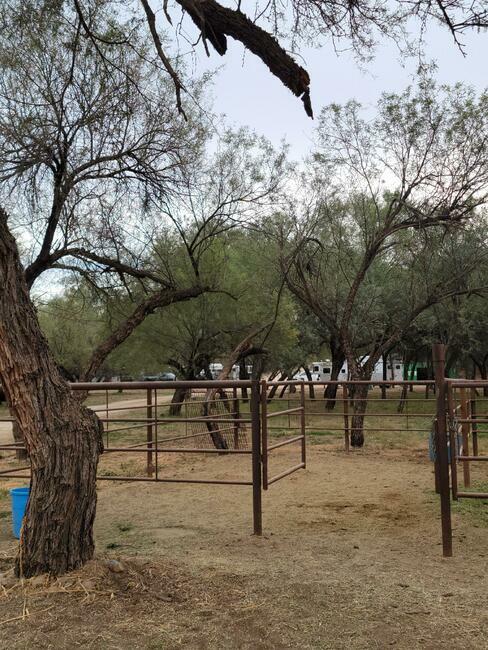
(247, 93)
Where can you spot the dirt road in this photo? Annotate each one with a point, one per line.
(6, 427)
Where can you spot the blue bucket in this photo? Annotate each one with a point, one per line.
(19, 497)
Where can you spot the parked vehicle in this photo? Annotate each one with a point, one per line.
(162, 376)
(322, 371)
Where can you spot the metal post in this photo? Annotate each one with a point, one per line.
(436, 461)
(465, 432)
(256, 459)
(303, 424)
(438, 355)
(106, 416)
(149, 430)
(474, 426)
(345, 409)
(452, 441)
(156, 431)
(264, 431)
(235, 410)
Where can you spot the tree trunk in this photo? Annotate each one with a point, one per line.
(330, 392)
(360, 395)
(384, 375)
(311, 390)
(285, 387)
(179, 396)
(274, 388)
(63, 438)
(244, 375)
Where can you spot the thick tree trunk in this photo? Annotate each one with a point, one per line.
(63, 438)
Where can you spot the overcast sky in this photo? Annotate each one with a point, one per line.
(249, 95)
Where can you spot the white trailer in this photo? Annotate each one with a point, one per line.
(322, 371)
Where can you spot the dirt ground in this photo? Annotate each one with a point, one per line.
(350, 558)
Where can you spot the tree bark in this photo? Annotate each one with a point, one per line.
(338, 358)
(384, 375)
(179, 396)
(274, 388)
(311, 390)
(360, 404)
(63, 438)
(244, 375)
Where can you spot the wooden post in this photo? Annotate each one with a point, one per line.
(465, 434)
(149, 431)
(256, 459)
(474, 426)
(438, 355)
(345, 409)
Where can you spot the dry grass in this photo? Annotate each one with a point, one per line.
(350, 559)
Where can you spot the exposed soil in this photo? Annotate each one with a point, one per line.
(350, 558)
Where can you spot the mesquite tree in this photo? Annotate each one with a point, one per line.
(62, 437)
(89, 154)
(395, 189)
(273, 30)
(99, 36)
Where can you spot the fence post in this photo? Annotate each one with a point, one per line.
(474, 426)
(106, 416)
(149, 431)
(155, 445)
(256, 459)
(465, 434)
(438, 356)
(264, 431)
(303, 424)
(452, 442)
(345, 409)
(236, 416)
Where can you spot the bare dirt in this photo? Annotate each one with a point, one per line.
(350, 558)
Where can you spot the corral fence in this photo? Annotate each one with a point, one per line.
(252, 419)
(461, 416)
(211, 420)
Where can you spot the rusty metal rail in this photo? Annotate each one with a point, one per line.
(218, 428)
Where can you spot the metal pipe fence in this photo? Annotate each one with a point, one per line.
(214, 421)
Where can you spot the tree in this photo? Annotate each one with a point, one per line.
(276, 26)
(86, 162)
(56, 536)
(428, 148)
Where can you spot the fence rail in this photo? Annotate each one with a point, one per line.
(212, 420)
